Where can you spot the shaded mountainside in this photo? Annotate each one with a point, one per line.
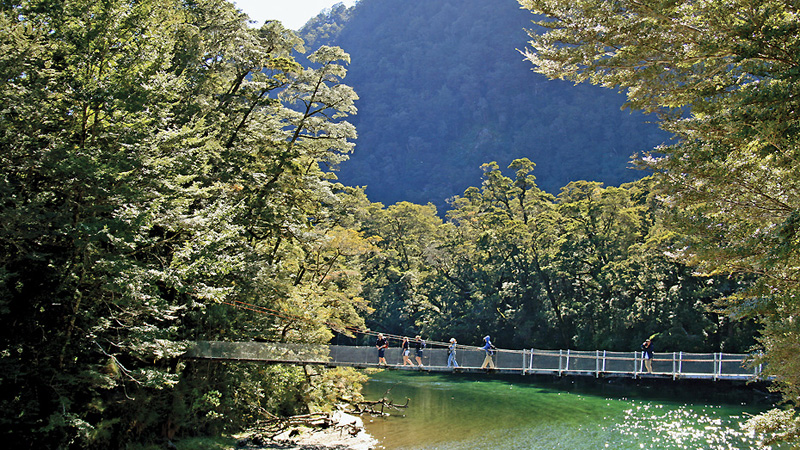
(443, 89)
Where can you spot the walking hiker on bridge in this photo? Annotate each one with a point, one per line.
(382, 344)
(406, 352)
(451, 354)
(419, 344)
(647, 349)
(488, 347)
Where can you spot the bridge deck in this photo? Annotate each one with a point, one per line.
(677, 365)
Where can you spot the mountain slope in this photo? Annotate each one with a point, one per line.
(443, 89)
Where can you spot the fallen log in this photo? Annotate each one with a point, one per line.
(370, 406)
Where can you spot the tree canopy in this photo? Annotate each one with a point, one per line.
(587, 270)
(724, 78)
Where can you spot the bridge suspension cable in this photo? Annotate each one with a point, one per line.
(336, 327)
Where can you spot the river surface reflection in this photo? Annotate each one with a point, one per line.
(478, 412)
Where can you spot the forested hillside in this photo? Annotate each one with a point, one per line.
(443, 90)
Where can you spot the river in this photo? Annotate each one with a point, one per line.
(449, 412)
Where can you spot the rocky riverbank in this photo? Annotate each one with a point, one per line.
(347, 433)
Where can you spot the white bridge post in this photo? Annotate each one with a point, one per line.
(524, 352)
(674, 364)
(531, 361)
(597, 363)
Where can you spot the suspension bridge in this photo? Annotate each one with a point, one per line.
(599, 363)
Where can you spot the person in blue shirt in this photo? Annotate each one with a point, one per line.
(451, 354)
(489, 349)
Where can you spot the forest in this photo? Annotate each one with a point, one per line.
(443, 88)
(587, 269)
(161, 164)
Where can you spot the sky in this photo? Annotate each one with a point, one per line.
(292, 13)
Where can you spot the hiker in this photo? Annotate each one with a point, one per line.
(382, 344)
(489, 349)
(419, 344)
(647, 349)
(451, 354)
(406, 351)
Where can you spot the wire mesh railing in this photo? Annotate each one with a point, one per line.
(715, 366)
(675, 364)
(260, 351)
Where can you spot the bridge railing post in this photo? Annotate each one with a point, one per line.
(757, 369)
(635, 364)
(674, 364)
(524, 356)
(604, 361)
(530, 361)
(597, 363)
(560, 366)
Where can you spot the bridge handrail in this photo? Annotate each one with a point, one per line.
(714, 365)
(584, 354)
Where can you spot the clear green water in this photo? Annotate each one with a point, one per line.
(472, 412)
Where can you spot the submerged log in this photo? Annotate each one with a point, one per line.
(370, 406)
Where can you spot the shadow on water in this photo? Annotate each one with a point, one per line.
(470, 411)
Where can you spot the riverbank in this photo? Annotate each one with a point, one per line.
(347, 433)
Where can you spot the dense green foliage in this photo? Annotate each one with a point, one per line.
(161, 163)
(443, 90)
(587, 269)
(158, 162)
(725, 80)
